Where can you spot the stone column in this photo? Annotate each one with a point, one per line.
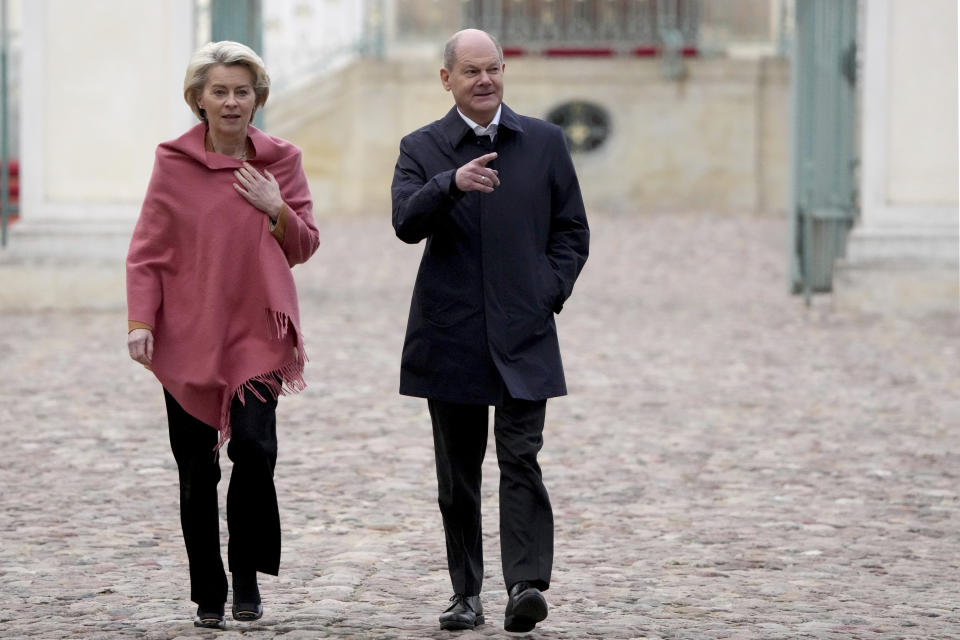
(903, 254)
(101, 86)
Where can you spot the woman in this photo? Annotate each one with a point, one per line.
(213, 313)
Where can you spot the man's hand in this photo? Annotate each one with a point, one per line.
(475, 176)
(140, 345)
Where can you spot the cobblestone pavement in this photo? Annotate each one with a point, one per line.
(729, 464)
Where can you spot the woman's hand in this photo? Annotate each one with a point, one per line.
(260, 190)
(140, 345)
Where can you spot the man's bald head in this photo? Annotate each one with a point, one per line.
(450, 48)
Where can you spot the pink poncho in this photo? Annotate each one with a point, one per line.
(206, 273)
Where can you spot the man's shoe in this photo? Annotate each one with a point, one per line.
(209, 619)
(525, 608)
(466, 612)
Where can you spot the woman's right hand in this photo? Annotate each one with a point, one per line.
(140, 345)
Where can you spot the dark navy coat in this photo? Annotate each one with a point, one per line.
(496, 266)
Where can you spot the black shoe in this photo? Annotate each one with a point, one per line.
(247, 611)
(246, 598)
(525, 608)
(466, 612)
(209, 619)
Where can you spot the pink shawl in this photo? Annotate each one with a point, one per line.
(205, 272)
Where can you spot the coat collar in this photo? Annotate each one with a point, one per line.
(455, 129)
(191, 145)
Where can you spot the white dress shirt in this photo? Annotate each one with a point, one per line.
(489, 130)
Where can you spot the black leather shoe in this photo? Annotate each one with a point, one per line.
(466, 612)
(247, 611)
(209, 619)
(246, 597)
(525, 608)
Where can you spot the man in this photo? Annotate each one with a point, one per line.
(495, 195)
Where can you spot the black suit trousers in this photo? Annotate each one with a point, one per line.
(253, 518)
(526, 518)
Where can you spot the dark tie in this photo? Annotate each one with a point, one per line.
(486, 146)
(484, 141)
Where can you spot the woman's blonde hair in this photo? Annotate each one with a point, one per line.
(227, 53)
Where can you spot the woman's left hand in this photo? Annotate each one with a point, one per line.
(260, 190)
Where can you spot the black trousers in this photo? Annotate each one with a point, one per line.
(526, 519)
(253, 517)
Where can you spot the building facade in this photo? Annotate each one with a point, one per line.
(671, 106)
(902, 255)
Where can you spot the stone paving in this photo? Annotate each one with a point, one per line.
(729, 464)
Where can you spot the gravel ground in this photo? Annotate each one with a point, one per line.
(728, 464)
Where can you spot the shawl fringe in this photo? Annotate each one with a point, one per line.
(283, 381)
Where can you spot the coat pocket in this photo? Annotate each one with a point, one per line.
(444, 310)
(549, 286)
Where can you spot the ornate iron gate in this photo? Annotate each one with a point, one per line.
(614, 26)
(824, 197)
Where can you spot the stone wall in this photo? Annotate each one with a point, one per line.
(716, 140)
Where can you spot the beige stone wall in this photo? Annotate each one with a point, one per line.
(922, 159)
(100, 88)
(717, 140)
